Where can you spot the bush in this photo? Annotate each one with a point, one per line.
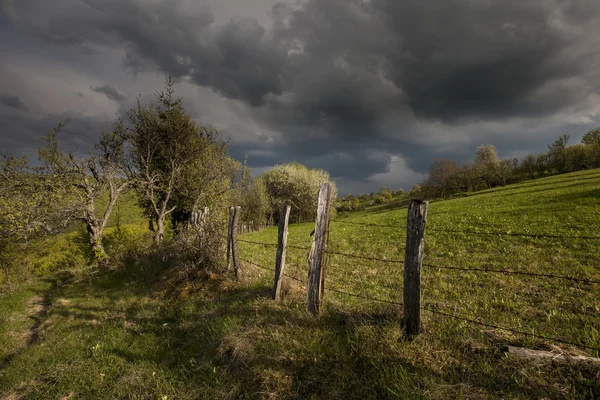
(378, 199)
(62, 251)
(387, 196)
(255, 202)
(298, 186)
(416, 191)
(127, 239)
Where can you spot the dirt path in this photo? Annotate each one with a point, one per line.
(37, 310)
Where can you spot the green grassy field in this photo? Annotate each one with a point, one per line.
(146, 331)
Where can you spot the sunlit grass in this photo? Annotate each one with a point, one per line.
(143, 332)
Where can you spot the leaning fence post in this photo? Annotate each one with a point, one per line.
(316, 258)
(281, 245)
(229, 236)
(237, 268)
(415, 230)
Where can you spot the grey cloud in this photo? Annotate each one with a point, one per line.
(236, 59)
(447, 60)
(21, 133)
(346, 83)
(109, 91)
(13, 102)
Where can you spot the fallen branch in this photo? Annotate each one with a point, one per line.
(541, 355)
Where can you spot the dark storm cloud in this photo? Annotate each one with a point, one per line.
(349, 83)
(109, 91)
(13, 102)
(447, 59)
(237, 59)
(21, 133)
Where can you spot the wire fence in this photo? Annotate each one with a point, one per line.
(326, 288)
(472, 321)
(434, 311)
(514, 234)
(340, 289)
(513, 272)
(474, 232)
(368, 224)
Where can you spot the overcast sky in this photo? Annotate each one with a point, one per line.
(371, 90)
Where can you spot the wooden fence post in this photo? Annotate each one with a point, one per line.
(229, 236)
(316, 258)
(280, 258)
(415, 230)
(237, 268)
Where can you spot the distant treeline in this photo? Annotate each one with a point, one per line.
(447, 177)
(358, 203)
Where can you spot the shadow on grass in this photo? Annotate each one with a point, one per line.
(222, 339)
(229, 339)
(37, 311)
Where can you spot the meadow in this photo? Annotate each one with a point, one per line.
(146, 330)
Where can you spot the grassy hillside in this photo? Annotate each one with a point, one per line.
(141, 332)
(71, 249)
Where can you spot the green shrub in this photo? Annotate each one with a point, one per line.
(64, 251)
(126, 239)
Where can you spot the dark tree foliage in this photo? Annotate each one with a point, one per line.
(175, 163)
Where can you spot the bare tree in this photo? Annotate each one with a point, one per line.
(557, 153)
(81, 181)
(592, 139)
(467, 177)
(26, 209)
(443, 178)
(505, 171)
(528, 165)
(541, 164)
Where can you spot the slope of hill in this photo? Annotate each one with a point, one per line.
(141, 333)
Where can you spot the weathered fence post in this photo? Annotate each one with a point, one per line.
(205, 216)
(229, 236)
(316, 258)
(281, 244)
(202, 221)
(237, 268)
(415, 230)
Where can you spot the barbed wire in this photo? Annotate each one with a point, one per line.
(519, 234)
(363, 257)
(273, 270)
(289, 246)
(292, 246)
(398, 261)
(258, 243)
(459, 317)
(295, 278)
(368, 224)
(512, 272)
(326, 288)
(362, 296)
(257, 265)
(470, 231)
(454, 316)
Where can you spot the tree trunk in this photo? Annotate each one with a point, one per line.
(95, 239)
(159, 234)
